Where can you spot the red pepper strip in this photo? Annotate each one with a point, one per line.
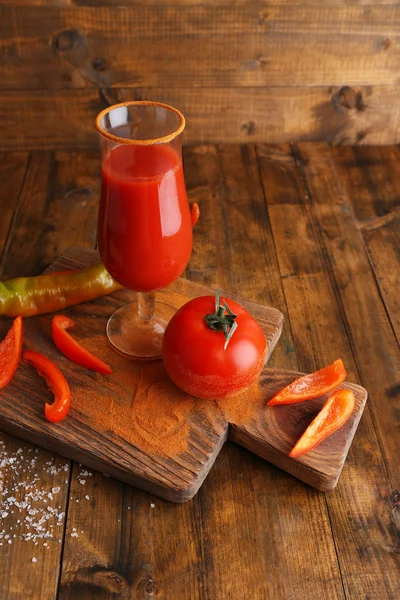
(312, 385)
(335, 412)
(56, 382)
(29, 296)
(71, 349)
(194, 213)
(10, 352)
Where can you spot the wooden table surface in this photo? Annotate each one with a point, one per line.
(310, 230)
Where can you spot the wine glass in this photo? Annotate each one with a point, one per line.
(145, 223)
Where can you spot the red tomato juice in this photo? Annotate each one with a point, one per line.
(145, 231)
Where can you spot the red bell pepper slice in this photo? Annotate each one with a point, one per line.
(56, 382)
(71, 349)
(312, 385)
(335, 412)
(10, 351)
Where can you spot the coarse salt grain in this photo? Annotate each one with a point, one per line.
(25, 493)
(34, 559)
(85, 473)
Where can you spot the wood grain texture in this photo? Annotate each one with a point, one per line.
(371, 179)
(126, 3)
(271, 72)
(362, 522)
(40, 577)
(247, 509)
(59, 200)
(65, 119)
(234, 249)
(115, 560)
(373, 341)
(253, 44)
(12, 172)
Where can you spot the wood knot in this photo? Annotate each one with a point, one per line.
(395, 514)
(395, 499)
(348, 98)
(393, 391)
(386, 43)
(249, 127)
(99, 63)
(65, 40)
(101, 578)
(263, 18)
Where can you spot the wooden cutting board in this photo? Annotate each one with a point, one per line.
(146, 461)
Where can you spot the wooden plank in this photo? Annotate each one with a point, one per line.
(377, 354)
(361, 522)
(34, 492)
(371, 179)
(126, 3)
(58, 206)
(383, 245)
(32, 520)
(256, 44)
(57, 209)
(234, 248)
(115, 558)
(12, 172)
(18, 549)
(213, 114)
(372, 182)
(282, 181)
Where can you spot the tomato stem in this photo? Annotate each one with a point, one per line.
(219, 321)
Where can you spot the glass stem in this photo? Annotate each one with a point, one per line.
(146, 305)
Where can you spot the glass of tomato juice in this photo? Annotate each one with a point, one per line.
(144, 227)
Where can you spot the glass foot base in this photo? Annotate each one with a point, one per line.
(134, 338)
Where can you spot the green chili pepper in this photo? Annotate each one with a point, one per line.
(29, 296)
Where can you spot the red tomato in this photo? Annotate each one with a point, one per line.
(195, 355)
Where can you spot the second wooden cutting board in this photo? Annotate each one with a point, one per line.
(98, 431)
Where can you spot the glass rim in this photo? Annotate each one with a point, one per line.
(146, 142)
